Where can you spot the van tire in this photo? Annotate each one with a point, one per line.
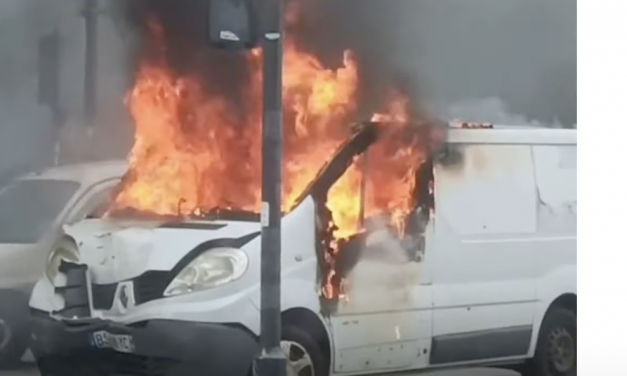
(14, 318)
(294, 341)
(556, 349)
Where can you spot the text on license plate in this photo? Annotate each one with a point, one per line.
(118, 342)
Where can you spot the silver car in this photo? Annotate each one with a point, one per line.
(33, 210)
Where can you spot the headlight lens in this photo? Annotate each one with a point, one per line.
(64, 251)
(213, 268)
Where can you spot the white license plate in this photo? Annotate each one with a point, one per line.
(118, 342)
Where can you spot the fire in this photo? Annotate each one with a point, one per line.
(194, 149)
(184, 138)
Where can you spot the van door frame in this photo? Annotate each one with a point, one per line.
(384, 320)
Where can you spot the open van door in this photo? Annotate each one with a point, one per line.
(384, 321)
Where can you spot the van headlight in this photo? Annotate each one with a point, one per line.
(212, 268)
(65, 250)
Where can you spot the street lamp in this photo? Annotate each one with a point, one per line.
(232, 25)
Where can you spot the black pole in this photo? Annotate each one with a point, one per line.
(90, 13)
(272, 361)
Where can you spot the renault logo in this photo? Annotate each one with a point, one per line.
(123, 295)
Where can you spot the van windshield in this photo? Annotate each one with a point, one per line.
(363, 135)
(28, 208)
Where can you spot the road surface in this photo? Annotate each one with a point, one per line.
(31, 371)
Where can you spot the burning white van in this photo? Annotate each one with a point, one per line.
(481, 272)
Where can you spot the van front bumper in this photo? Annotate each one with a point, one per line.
(161, 347)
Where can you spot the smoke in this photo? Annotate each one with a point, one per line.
(27, 133)
(491, 110)
(489, 59)
(20, 118)
(486, 60)
(510, 62)
(116, 46)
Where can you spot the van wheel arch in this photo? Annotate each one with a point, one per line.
(564, 305)
(310, 323)
(564, 301)
(556, 350)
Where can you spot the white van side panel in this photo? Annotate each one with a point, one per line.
(506, 247)
(485, 274)
(556, 178)
(477, 199)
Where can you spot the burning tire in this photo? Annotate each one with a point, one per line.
(556, 352)
(303, 353)
(14, 328)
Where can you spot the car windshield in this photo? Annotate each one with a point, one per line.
(29, 207)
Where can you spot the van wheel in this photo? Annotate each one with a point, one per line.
(556, 351)
(304, 356)
(14, 328)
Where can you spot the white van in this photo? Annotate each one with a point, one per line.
(489, 280)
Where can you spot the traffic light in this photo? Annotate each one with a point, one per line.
(232, 24)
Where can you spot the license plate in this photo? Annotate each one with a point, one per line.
(118, 342)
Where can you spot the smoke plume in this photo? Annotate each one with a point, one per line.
(483, 60)
(27, 133)
(486, 60)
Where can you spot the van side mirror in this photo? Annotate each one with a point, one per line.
(232, 24)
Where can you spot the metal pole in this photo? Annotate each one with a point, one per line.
(91, 60)
(272, 361)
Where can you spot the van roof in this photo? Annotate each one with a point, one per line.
(85, 173)
(522, 135)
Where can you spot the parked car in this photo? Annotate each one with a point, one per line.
(486, 276)
(33, 209)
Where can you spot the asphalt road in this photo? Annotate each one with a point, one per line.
(31, 371)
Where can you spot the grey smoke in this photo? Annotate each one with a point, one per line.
(453, 53)
(495, 111)
(522, 52)
(508, 57)
(19, 119)
(26, 131)
(482, 60)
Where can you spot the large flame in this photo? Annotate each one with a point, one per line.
(194, 150)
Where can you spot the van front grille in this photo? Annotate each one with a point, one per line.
(147, 287)
(151, 285)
